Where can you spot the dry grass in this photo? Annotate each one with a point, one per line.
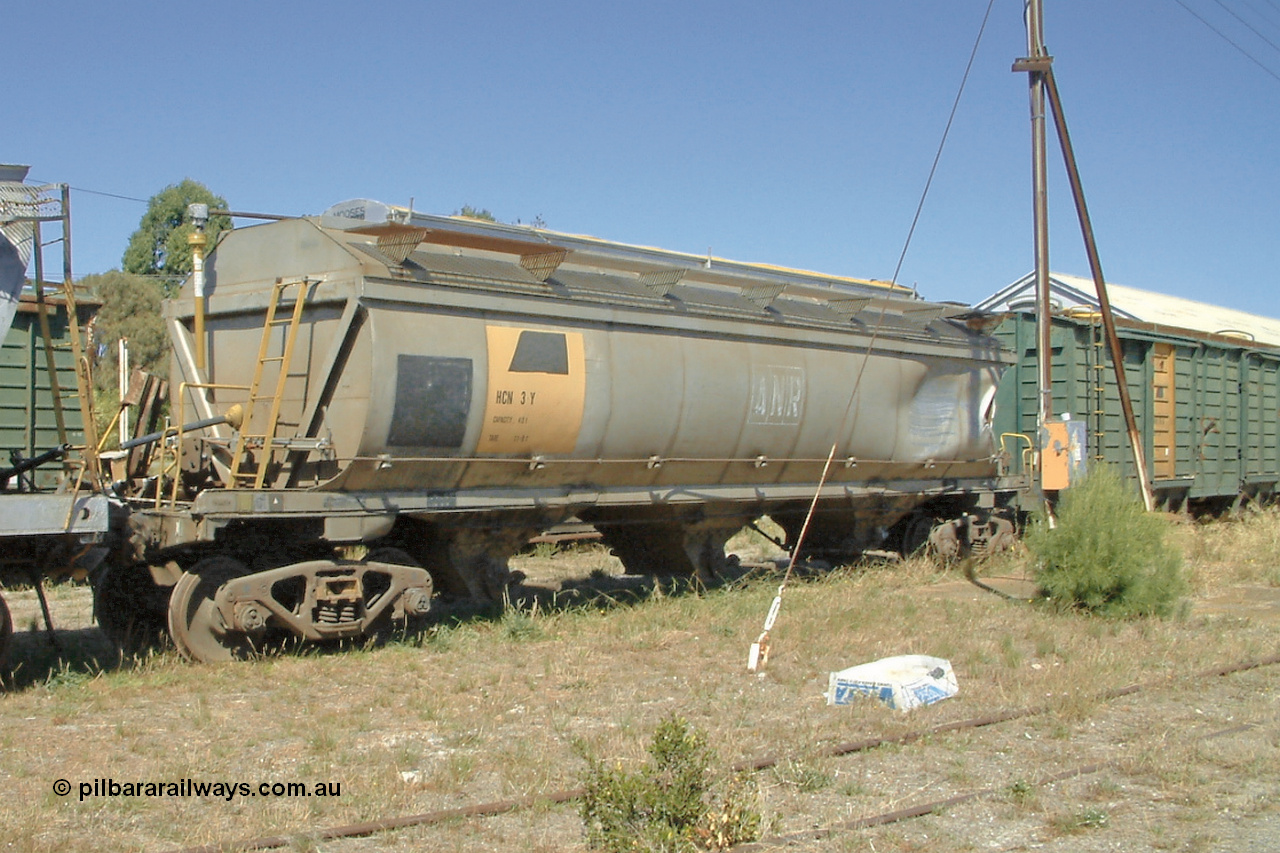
(481, 706)
(1240, 551)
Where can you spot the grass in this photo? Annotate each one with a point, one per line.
(483, 706)
(807, 777)
(1076, 822)
(1245, 550)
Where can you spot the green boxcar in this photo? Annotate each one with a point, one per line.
(28, 422)
(1207, 406)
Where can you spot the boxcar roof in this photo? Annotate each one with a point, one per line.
(1144, 306)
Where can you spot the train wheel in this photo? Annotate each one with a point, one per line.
(130, 607)
(195, 622)
(912, 533)
(417, 602)
(6, 632)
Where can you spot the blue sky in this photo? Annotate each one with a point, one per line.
(798, 134)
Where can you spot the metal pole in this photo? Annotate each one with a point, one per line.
(199, 215)
(84, 374)
(1036, 65)
(122, 382)
(1099, 283)
(50, 361)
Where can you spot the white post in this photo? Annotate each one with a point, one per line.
(123, 371)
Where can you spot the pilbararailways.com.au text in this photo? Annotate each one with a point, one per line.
(192, 788)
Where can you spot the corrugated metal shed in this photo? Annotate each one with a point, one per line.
(1144, 306)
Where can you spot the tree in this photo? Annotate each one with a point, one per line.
(1106, 554)
(159, 246)
(485, 215)
(475, 213)
(130, 309)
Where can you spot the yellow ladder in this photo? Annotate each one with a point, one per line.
(266, 434)
(1098, 385)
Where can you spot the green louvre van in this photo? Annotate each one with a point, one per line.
(1207, 404)
(28, 420)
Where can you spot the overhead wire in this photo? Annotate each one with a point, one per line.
(99, 192)
(758, 655)
(1248, 25)
(1261, 14)
(111, 195)
(1228, 39)
(945, 133)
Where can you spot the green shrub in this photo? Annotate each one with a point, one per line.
(1107, 555)
(674, 803)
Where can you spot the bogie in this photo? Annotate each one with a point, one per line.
(221, 611)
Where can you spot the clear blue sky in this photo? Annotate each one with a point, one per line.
(791, 133)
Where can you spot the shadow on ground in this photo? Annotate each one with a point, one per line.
(74, 654)
(37, 657)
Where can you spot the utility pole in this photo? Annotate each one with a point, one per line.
(1039, 67)
(1037, 63)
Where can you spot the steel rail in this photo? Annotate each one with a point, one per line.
(498, 807)
(922, 809)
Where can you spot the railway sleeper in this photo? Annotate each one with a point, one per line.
(219, 611)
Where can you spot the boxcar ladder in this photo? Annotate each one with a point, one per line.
(250, 433)
(1097, 380)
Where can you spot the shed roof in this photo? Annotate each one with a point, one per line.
(1070, 291)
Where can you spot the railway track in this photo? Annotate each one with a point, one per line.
(920, 806)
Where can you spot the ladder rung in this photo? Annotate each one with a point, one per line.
(278, 314)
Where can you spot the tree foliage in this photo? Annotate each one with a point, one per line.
(159, 246)
(476, 213)
(1106, 554)
(130, 309)
(485, 215)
